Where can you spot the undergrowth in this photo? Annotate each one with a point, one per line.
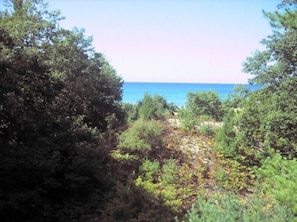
(183, 174)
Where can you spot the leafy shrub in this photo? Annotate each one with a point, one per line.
(278, 177)
(268, 122)
(205, 103)
(187, 119)
(229, 208)
(131, 111)
(149, 168)
(162, 182)
(154, 107)
(147, 108)
(147, 184)
(231, 175)
(142, 137)
(127, 156)
(231, 141)
(236, 99)
(208, 130)
(170, 172)
(226, 136)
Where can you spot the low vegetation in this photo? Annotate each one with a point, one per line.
(72, 151)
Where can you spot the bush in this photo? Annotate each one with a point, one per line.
(236, 99)
(154, 107)
(226, 136)
(278, 177)
(205, 103)
(208, 130)
(187, 119)
(229, 208)
(142, 137)
(149, 168)
(233, 176)
(131, 111)
(170, 172)
(134, 203)
(162, 183)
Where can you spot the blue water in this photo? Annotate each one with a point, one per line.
(173, 92)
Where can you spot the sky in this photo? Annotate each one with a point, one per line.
(197, 41)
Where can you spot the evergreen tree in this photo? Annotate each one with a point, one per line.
(57, 97)
(269, 118)
(205, 103)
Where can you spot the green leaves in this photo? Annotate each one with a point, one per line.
(154, 107)
(277, 63)
(205, 103)
(269, 117)
(57, 99)
(278, 177)
(228, 207)
(142, 136)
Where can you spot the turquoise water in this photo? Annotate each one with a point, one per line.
(173, 92)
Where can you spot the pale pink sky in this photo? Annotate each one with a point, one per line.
(201, 41)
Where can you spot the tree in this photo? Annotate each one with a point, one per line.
(205, 103)
(236, 99)
(278, 177)
(154, 107)
(269, 119)
(142, 137)
(53, 112)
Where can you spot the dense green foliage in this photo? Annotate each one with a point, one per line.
(205, 103)
(161, 181)
(71, 151)
(236, 99)
(188, 119)
(57, 97)
(266, 121)
(228, 136)
(262, 132)
(150, 107)
(142, 137)
(253, 173)
(228, 207)
(278, 177)
(272, 111)
(201, 107)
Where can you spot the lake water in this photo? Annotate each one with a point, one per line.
(174, 92)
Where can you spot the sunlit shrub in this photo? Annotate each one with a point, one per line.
(228, 207)
(127, 156)
(148, 185)
(169, 172)
(162, 182)
(232, 175)
(278, 177)
(205, 103)
(154, 107)
(142, 137)
(187, 119)
(149, 168)
(208, 130)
